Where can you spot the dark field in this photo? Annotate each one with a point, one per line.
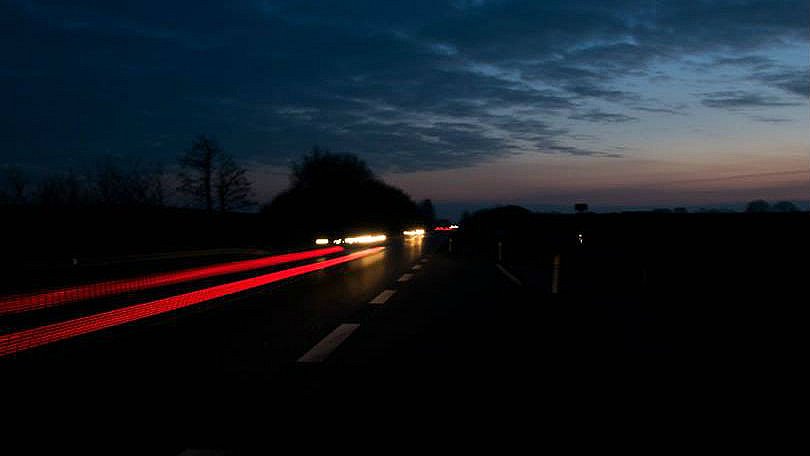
(716, 287)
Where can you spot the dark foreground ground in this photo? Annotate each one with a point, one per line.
(692, 343)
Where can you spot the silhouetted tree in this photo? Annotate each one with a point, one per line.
(785, 206)
(758, 206)
(110, 185)
(16, 181)
(62, 190)
(134, 185)
(211, 177)
(197, 171)
(323, 168)
(153, 184)
(233, 188)
(337, 193)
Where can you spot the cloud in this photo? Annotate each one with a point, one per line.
(570, 150)
(795, 81)
(676, 111)
(771, 119)
(603, 117)
(422, 84)
(753, 61)
(741, 99)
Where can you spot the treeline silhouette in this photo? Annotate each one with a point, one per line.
(109, 184)
(118, 207)
(331, 194)
(761, 206)
(207, 177)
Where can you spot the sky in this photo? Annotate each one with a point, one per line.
(472, 103)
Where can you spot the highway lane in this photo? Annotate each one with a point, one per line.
(449, 314)
(255, 334)
(457, 338)
(191, 372)
(27, 303)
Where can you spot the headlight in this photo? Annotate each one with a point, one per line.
(365, 239)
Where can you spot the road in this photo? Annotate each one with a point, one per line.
(412, 327)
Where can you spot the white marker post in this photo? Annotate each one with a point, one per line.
(500, 252)
(555, 275)
(450, 246)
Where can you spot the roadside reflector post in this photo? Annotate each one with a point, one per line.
(500, 252)
(450, 246)
(555, 275)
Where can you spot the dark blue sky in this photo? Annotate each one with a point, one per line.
(626, 103)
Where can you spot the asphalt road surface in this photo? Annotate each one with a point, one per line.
(413, 329)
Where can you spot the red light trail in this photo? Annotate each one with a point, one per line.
(35, 337)
(28, 302)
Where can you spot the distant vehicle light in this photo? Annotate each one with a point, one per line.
(321, 241)
(453, 227)
(446, 228)
(414, 232)
(365, 239)
(338, 241)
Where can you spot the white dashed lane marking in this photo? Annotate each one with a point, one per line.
(416, 267)
(405, 278)
(382, 297)
(330, 343)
